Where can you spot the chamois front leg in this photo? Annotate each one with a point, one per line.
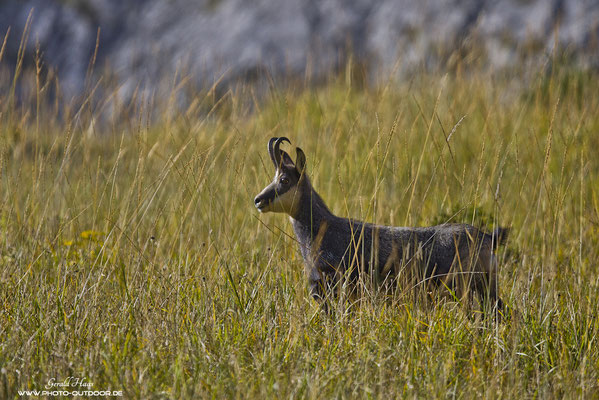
(318, 288)
(319, 295)
(323, 288)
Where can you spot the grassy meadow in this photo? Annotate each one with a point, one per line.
(132, 256)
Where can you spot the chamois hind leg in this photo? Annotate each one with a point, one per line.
(486, 283)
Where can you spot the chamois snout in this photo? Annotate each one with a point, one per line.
(259, 202)
(264, 198)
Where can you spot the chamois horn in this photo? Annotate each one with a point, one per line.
(274, 150)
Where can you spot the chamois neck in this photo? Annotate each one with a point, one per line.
(312, 211)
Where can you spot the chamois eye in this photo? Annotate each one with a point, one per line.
(284, 181)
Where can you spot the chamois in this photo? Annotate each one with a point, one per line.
(337, 250)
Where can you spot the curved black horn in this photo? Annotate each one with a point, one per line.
(270, 151)
(277, 151)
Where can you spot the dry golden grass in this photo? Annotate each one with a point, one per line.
(132, 255)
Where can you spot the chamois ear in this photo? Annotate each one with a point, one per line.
(286, 159)
(300, 161)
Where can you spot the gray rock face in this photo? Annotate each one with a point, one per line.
(145, 42)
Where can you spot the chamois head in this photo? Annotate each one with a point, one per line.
(283, 193)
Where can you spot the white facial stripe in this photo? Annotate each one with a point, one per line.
(286, 202)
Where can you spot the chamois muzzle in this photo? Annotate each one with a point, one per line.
(265, 198)
(261, 202)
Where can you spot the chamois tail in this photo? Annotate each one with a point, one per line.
(499, 237)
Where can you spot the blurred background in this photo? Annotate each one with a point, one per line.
(144, 43)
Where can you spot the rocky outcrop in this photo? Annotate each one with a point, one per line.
(145, 41)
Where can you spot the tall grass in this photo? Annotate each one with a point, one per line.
(132, 255)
